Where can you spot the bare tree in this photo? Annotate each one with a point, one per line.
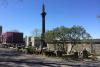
(36, 32)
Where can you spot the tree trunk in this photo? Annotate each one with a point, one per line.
(63, 47)
(71, 49)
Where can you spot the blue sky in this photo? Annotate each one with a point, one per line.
(24, 15)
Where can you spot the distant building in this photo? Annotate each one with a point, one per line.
(0, 30)
(34, 41)
(37, 42)
(27, 41)
(12, 38)
(0, 34)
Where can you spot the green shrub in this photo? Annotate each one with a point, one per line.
(85, 54)
(30, 49)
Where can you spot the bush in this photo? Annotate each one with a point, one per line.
(85, 54)
(30, 50)
(49, 53)
(37, 52)
(19, 48)
(75, 56)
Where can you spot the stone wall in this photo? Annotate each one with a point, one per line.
(78, 47)
(97, 48)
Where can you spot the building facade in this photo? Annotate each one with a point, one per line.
(0, 30)
(27, 41)
(12, 38)
(33, 41)
(0, 34)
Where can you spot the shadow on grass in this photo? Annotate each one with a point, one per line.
(19, 63)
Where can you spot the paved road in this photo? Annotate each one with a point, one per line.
(11, 58)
